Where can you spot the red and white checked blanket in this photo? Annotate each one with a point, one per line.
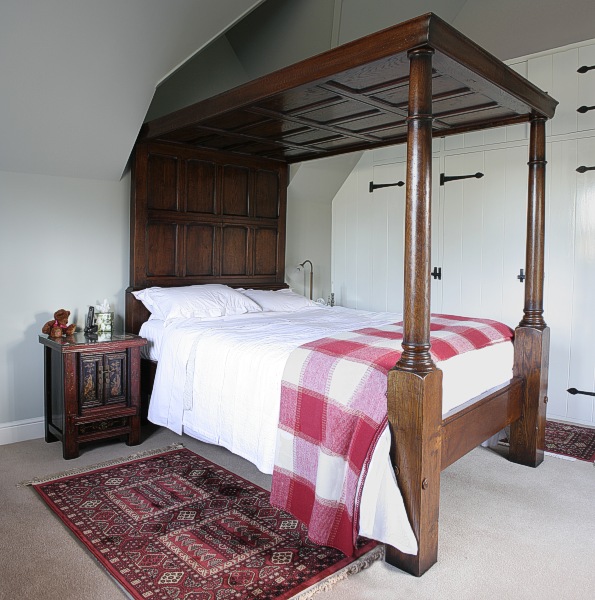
(333, 410)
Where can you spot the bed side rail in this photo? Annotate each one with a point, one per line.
(482, 417)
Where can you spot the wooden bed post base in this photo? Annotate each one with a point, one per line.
(415, 416)
(527, 435)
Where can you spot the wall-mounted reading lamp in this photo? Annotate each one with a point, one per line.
(303, 266)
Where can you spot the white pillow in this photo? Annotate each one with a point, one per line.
(279, 301)
(195, 301)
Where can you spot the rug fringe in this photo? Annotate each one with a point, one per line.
(562, 456)
(107, 463)
(363, 562)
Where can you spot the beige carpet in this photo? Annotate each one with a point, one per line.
(505, 531)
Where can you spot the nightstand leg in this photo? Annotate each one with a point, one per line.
(134, 435)
(47, 396)
(70, 448)
(49, 437)
(134, 381)
(70, 438)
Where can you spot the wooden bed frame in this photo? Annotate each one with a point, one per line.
(209, 198)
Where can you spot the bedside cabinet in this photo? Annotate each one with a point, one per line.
(92, 389)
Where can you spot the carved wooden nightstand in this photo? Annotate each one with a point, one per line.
(92, 389)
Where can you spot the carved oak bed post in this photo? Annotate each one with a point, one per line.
(532, 336)
(415, 383)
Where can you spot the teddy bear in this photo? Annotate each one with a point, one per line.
(59, 326)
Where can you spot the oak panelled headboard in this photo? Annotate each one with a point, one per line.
(204, 216)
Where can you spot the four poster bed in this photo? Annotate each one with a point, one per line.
(209, 202)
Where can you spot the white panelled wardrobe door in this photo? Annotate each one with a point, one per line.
(565, 90)
(508, 197)
(540, 71)
(582, 365)
(386, 237)
(586, 87)
(484, 234)
(559, 268)
(462, 231)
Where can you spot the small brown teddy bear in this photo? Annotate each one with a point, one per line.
(59, 326)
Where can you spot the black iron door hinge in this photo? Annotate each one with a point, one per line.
(446, 178)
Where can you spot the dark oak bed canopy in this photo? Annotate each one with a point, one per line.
(209, 197)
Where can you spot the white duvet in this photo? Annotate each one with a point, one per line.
(220, 382)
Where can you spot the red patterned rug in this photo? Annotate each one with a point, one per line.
(564, 439)
(175, 525)
(570, 440)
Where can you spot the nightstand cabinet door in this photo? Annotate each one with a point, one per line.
(115, 367)
(103, 380)
(91, 381)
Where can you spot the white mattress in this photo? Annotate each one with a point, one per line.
(464, 376)
(219, 381)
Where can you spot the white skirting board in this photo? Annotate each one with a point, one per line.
(21, 431)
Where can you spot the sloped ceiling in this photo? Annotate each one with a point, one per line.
(78, 76)
(506, 28)
(281, 32)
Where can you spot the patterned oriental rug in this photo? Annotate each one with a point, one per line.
(570, 440)
(174, 525)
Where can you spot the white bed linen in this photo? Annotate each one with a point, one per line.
(236, 366)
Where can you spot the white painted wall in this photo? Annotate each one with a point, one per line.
(78, 77)
(310, 193)
(308, 238)
(63, 244)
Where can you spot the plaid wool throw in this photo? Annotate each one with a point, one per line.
(333, 409)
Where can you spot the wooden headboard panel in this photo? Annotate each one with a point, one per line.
(203, 216)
